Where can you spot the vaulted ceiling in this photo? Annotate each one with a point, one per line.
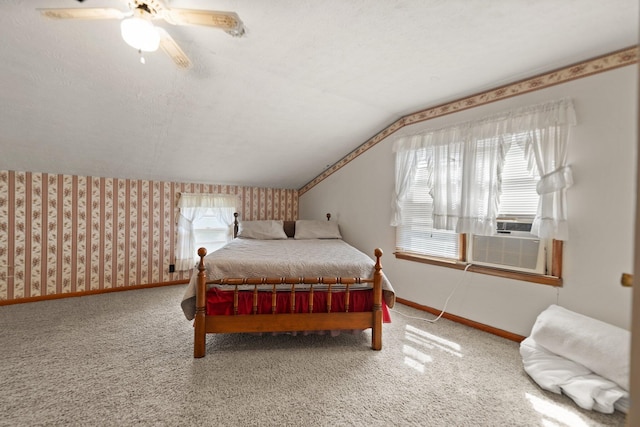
(308, 82)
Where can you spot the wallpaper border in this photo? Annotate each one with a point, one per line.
(579, 70)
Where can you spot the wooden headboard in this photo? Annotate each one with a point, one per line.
(290, 228)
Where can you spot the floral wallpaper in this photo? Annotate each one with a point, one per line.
(62, 234)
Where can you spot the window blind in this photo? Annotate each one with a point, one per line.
(417, 234)
(519, 198)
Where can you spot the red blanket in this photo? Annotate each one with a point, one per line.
(221, 302)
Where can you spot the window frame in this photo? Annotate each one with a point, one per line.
(555, 279)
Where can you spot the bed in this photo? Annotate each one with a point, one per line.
(287, 277)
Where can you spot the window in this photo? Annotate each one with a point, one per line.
(518, 204)
(210, 231)
(417, 234)
(204, 220)
(519, 199)
(461, 189)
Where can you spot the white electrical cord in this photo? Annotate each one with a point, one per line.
(446, 302)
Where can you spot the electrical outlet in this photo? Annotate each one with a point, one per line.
(172, 268)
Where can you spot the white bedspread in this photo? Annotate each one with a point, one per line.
(584, 358)
(285, 258)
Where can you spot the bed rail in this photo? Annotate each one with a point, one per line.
(273, 282)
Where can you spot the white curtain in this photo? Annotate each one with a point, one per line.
(193, 207)
(444, 180)
(465, 178)
(406, 164)
(466, 160)
(546, 149)
(464, 165)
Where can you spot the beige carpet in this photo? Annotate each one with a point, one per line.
(125, 358)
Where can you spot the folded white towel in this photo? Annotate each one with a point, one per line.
(559, 375)
(599, 346)
(594, 392)
(547, 369)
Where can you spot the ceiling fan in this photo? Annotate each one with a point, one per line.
(139, 32)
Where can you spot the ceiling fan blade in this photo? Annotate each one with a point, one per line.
(228, 21)
(83, 13)
(171, 48)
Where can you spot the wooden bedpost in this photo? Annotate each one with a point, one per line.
(376, 330)
(199, 333)
(235, 225)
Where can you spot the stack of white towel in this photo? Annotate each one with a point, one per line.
(584, 358)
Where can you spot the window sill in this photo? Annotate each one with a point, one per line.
(460, 265)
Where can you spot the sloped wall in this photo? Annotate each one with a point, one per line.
(62, 234)
(602, 154)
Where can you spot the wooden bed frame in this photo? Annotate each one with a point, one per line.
(286, 322)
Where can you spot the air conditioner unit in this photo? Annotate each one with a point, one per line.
(509, 250)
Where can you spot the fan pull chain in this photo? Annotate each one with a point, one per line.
(142, 60)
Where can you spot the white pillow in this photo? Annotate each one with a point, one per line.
(316, 229)
(263, 230)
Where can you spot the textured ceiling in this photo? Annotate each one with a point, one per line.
(309, 82)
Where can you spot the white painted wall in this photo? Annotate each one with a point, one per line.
(601, 214)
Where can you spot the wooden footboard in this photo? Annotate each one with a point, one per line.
(286, 322)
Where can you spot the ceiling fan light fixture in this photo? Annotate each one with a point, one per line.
(140, 34)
